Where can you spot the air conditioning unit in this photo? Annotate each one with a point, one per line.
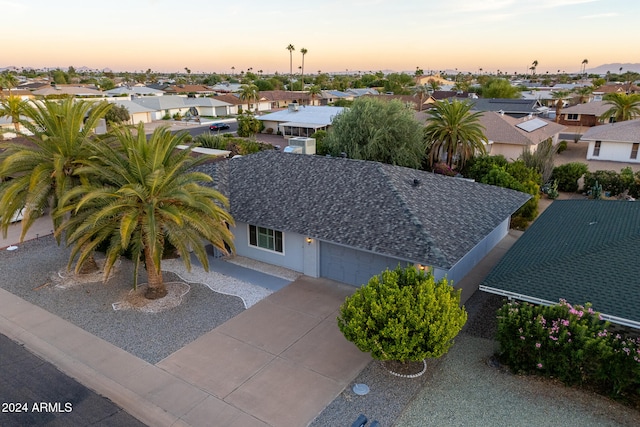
(306, 145)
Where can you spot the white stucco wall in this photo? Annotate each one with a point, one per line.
(613, 151)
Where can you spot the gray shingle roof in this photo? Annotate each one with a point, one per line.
(627, 131)
(593, 108)
(509, 106)
(367, 205)
(581, 251)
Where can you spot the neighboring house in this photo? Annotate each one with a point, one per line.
(357, 92)
(458, 95)
(517, 108)
(349, 220)
(510, 137)
(199, 90)
(210, 106)
(134, 91)
(300, 120)
(329, 97)
(282, 98)
(170, 105)
(618, 142)
(77, 91)
(226, 87)
(587, 114)
(235, 104)
(137, 113)
(580, 251)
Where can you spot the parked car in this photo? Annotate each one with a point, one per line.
(18, 215)
(219, 126)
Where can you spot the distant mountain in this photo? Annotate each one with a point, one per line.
(614, 68)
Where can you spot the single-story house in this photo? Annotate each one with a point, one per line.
(170, 105)
(517, 108)
(200, 90)
(349, 220)
(137, 113)
(282, 98)
(133, 91)
(587, 114)
(618, 142)
(510, 137)
(78, 91)
(300, 120)
(331, 96)
(580, 251)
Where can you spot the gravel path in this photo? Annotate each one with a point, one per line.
(461, 389)
(28, 272)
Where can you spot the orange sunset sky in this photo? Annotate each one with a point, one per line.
(213, 36)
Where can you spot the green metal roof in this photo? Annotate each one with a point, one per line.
(581, 251)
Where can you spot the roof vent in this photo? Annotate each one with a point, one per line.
(416, 182)
(343, 155)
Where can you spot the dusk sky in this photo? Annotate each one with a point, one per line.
(355, 35)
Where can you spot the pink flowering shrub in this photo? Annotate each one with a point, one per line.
(570, 343)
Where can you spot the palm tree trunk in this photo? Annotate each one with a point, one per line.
(89, 266)
(155, 287)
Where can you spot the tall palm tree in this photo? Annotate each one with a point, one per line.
(623, 107)
(534, 65)
(560, 96)
(290, 48)
(314, 91)
(60, 132)
(422, 92)
(8, 81)
(249, 92)
(584, 65)
(12, 107)
(147, 194)
(303, 51)
(584, 92)
(453, 129)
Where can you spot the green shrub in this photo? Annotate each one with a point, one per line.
(570, 343)
(615, 183)
(568, 175)
(404, 315)
(477, 167)
(562, 146)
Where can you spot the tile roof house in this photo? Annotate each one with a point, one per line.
(509, 136)
(618, 142)
(348, 220)
(580, 251)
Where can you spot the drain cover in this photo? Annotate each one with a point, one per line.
(361, 389)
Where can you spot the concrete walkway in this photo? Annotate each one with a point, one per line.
(278, 363)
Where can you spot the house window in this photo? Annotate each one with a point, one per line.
(634, 150)
(596, 148)
(573, 117)
(265, 238)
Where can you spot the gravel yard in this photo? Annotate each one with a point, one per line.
(29, 273)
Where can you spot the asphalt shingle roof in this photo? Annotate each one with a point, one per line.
(367, 205)
(503, 129)
(627, 131)
(581, 251)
